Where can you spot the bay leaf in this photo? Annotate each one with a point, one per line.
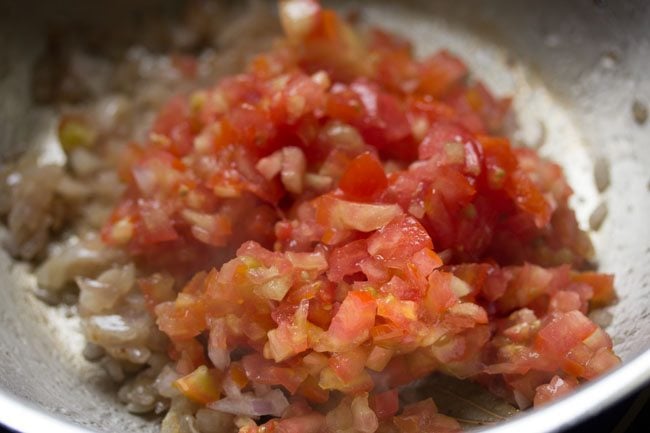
(472, 405)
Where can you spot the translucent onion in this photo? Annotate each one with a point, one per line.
(364, 419)
(248, 404)
(164, 382)
(101, 294)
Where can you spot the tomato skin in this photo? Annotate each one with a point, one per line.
(364, 178)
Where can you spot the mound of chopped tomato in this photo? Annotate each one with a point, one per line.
(383, 230)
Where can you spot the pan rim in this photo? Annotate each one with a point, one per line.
(27, 417)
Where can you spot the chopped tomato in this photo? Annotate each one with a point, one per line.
(202, 386)
(365, 224)
(265, 372)
(398, 241)
(352, 323)
(182, 318)
(563, 332)
(446, 143)
(499, 160)
(529, 198)
(364, 178)
(602, 285)
(439, 296)
(348, 365)
(346, 260)
(440, 74)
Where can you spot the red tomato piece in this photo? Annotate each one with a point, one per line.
(364, 179)
(396, 243)
(157, 225)
(291, 336)
(529, 198)
(352, 323)
(602, 285)
(188, 353)
(500, 161)
(439, 296)
(562, 333)
(440, 74)
(346, 260)
(446, 143)
(183, 318)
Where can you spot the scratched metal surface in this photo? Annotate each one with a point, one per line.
(573, 67)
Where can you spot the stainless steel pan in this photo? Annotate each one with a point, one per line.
(576, 69)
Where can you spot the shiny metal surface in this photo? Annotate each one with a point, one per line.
(574, 67)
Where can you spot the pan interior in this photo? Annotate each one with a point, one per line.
(574, 74)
